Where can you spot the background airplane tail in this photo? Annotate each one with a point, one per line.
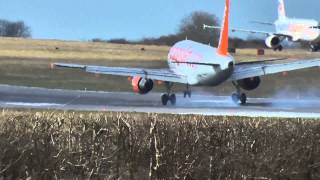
(281, 10)
(224, 34)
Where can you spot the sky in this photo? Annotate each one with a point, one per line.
(136, 19)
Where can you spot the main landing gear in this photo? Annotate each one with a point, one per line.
(239, 97)
(169, 96)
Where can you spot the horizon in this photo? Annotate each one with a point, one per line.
(136, 20)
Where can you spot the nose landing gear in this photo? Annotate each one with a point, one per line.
(187, 92)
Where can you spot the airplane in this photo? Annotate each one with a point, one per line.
(195, 64)
(290, 29)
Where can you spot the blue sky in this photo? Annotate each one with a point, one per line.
(135, 19)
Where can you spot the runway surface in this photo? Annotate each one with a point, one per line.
(39, 98)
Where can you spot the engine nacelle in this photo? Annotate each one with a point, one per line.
(273, 41)
(141, 85)
(249, 83)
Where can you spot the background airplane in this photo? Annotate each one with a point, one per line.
(195, 64)
(290, 29)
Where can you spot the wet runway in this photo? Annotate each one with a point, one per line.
(39, 98)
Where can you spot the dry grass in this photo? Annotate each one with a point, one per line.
(78, 51)
(16, 48)
(57, 145)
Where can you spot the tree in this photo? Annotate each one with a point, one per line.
(14, 29)
(119, 41)
(192, 28)
(3, 27)
(168, 40)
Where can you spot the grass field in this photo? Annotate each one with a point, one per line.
(26, 62)
(92, 52)
(76, 145)
(78, 51)
(68, 145)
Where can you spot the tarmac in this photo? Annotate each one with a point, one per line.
(199, 103)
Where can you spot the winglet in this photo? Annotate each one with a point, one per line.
(224, 34)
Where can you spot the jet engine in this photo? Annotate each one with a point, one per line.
(273, 41)
(141, 85)
(249, 83)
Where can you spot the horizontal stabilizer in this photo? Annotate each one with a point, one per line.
(263, 23)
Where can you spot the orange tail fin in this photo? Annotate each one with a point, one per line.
(224, 34)
(281, 10)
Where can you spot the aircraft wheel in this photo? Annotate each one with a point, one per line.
(173, 99)
(239, 99)
(164, 99)
(314, 48)
(243, 99)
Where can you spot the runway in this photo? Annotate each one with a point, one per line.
(40, 98)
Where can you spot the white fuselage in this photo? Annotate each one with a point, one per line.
(200, 64)
(298, 29)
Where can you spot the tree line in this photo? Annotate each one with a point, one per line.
(14, 29)
(191, 27)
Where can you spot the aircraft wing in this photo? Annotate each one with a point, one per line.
(249, 31)
(250, 70)
(154, 74)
